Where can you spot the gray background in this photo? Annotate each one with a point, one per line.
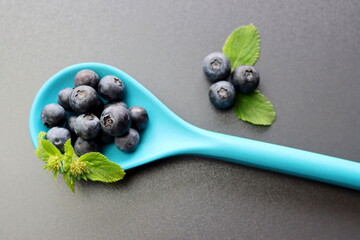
(309, 66)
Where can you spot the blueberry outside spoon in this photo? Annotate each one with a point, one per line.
(182, 138)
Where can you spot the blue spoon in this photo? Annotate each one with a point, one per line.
(168, 135)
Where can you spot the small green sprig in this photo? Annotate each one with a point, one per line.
(242, 47)
(92, 166)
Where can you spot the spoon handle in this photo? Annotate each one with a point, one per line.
(281, 159)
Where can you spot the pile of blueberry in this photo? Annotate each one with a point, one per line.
(217, 68)
(93, 123)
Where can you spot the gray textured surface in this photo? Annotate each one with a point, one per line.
(309, 65)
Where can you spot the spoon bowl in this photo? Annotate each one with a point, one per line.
(168, 135)
(156, 140)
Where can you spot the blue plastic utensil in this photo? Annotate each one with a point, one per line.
(168, 135)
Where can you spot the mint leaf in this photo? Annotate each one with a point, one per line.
(99, 168)
(55, 175)
(93, 166)
(68, 149)
(242, 47)
(69, 180)
(45, 148)
(254, 108)
(69, 155)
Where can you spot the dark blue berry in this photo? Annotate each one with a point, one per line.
(87, 126)
(139, 117)
(222, 94)
(216, 67)
(115, 121)
(70, 124)
(121, 103)
(99, 109)
(111, 88)
(53, 115)
(83, 146)
(83, 99)
(104, 138)
(245, 79)
(86, 77)
(129, 141)
(63, 98)
(58, 136)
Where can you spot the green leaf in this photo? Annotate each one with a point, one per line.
(69, 180)
(69, 150)
(45, 148)
(242, 47)
(99, 168)
(93, 166)
(254, 108)
(69, 155)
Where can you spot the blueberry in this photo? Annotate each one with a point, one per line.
(222, 94)
(111, 88)
(216, 67)
(70, 124)
(129, 141)
(121, 103)
(99, 109)
(63, 98)
(139, 117)
(245, 79)
(53, 115)
(83, 99)
(104, 138)
(87, 126)
(86, 77)
(58, 136)
(115, 121)
(83, 146)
